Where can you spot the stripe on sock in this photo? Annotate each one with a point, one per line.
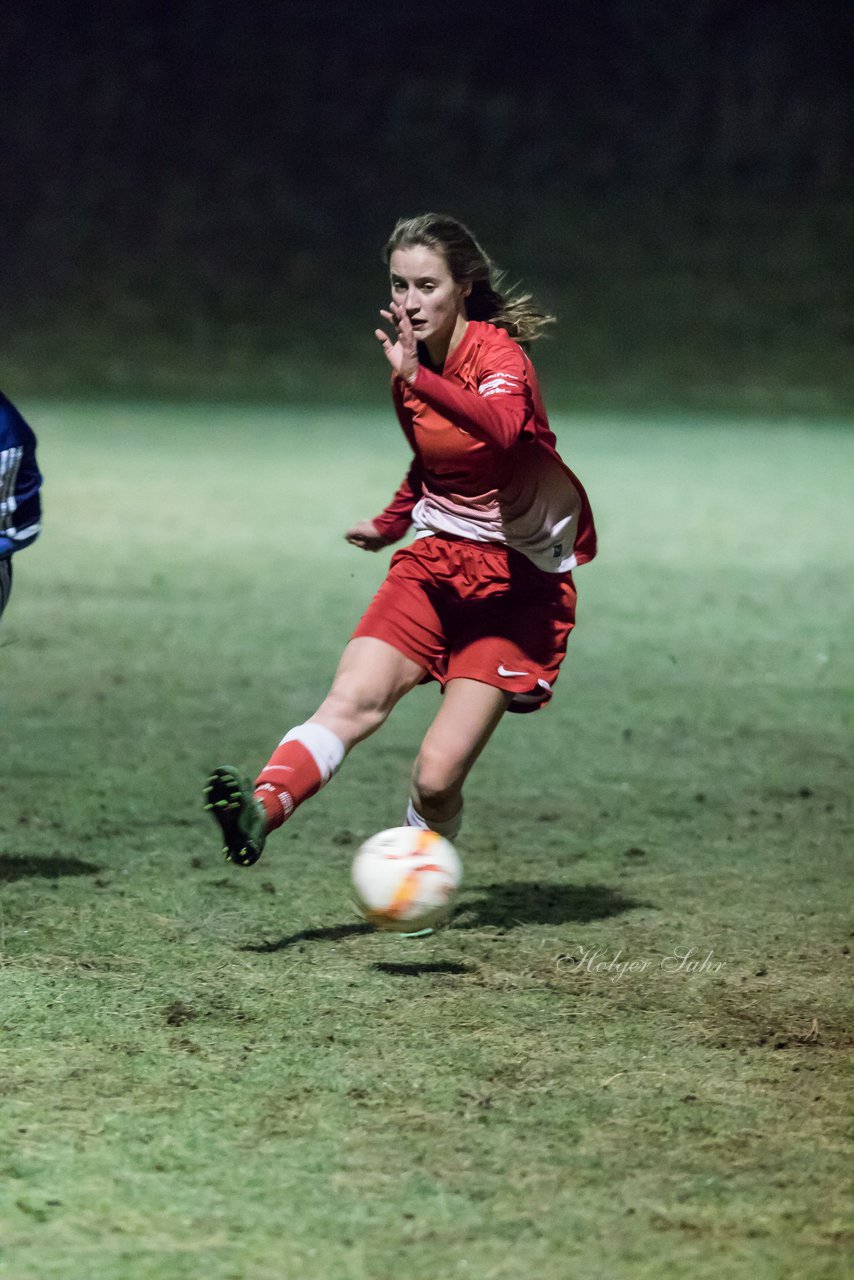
(324, 745)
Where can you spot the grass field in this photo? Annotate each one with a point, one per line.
(625, 1058)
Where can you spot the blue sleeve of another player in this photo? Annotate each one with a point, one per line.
(20, 481)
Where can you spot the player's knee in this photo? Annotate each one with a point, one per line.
(358, 707)
(437, 779)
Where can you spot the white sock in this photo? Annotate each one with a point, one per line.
(450, 828)
(323, 745)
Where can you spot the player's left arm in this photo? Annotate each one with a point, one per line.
(497, 411)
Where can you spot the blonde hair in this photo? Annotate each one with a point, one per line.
(469, 264)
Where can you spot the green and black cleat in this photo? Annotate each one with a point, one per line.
(241, 819)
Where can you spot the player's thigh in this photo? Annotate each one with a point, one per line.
(467, 718)
(405, 612)
(372, 675)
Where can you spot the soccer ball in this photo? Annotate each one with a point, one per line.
(405, 879)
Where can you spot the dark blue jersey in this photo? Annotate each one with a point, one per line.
(20, 481)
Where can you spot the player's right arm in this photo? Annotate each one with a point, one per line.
(366, 535)
(392, 523)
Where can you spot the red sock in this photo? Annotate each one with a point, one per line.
(290, 776)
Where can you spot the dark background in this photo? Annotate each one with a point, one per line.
(194, 198)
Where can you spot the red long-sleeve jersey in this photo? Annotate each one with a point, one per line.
(486, 466)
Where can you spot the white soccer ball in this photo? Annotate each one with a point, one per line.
(405, 879)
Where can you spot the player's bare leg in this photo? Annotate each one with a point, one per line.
(371, 677)
(467, 718)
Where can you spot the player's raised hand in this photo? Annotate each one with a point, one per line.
(402, 355)
(366, 535)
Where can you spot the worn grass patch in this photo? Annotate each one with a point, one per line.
(624, 1059)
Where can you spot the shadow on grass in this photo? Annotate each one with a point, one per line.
(333, 934)
(417, 970)
(519, 902)
(502, 906)
(12, 868)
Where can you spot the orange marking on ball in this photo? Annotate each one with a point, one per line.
(404, 894)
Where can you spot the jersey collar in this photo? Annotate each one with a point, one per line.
(460, 349)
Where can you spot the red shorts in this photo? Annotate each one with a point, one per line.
(478, 611)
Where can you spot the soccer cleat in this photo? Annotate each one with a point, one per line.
(241, 819)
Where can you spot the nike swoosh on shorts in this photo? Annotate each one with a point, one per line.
(502, 671)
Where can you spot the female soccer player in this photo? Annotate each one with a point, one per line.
(483, 600)
(20, 483)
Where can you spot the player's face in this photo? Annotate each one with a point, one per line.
(435, 303)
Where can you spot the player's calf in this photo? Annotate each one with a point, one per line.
(303, 762)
